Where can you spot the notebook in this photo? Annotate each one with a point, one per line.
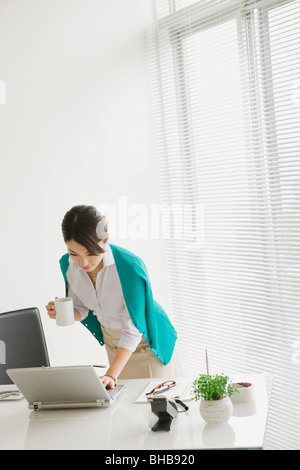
(63, 387)
(183, 390)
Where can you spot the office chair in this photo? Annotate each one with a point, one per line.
(22, 342)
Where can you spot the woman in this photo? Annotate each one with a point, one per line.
(112, 297)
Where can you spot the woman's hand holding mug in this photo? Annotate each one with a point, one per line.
(62, 310)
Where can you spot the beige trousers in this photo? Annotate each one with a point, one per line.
(143, 363)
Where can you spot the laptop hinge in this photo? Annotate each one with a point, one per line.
(37, 405)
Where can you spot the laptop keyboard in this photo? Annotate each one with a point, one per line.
(112, 392)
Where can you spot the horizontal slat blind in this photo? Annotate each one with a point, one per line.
(226, 92)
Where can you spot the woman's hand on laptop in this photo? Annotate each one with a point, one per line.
(108, 381)
(122, 355)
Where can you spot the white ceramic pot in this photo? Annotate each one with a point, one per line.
(216, 411)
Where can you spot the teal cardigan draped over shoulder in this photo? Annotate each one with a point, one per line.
(146, 314)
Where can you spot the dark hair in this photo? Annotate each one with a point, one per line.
(81, 224)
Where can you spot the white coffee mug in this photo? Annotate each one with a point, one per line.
(64, 311)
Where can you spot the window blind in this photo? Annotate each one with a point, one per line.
(226, 94)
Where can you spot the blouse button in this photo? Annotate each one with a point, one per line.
(143, 350)
(115, 350)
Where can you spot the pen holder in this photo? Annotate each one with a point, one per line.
(246, 393)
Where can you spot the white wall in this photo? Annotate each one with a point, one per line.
(76, 129)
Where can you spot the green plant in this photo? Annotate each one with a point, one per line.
(213, 387)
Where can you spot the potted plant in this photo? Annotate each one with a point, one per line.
(214, 392)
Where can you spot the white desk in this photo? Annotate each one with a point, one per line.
(127, 425)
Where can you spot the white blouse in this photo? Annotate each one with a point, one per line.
(106, 299)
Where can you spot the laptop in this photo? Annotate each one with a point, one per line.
(63, 387)
(22, 342)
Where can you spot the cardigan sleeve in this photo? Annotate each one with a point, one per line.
(147, 315)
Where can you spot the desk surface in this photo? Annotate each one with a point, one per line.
(127, 425)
